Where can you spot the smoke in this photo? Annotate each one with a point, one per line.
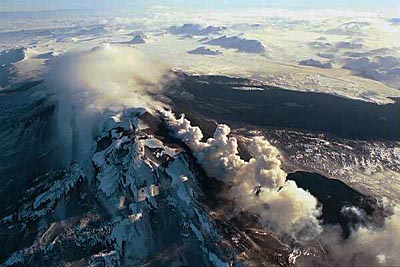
(258, 185)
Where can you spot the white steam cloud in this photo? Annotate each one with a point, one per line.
(259, 185)
(108, 77)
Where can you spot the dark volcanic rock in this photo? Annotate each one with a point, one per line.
(215, 98)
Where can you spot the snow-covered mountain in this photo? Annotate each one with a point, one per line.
(145, 206)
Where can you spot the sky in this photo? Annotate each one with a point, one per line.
(392, 6)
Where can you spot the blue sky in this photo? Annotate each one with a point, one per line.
(27, 5)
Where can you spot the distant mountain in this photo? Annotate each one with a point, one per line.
(395, 21)
(96, 30)
(325, 55)
(241, 44)
(349, 28)
(315, 63)
(349, 45)
(320, 45)
(379, 68)
(138, 39)
(204, 51)
(134, 33)
(194, 29)
(360, 64)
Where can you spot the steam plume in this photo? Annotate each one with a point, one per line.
(108, 77)
(258, 185)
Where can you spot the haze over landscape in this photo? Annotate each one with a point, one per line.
(199, 133)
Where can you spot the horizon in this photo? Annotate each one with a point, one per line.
(385, 6)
